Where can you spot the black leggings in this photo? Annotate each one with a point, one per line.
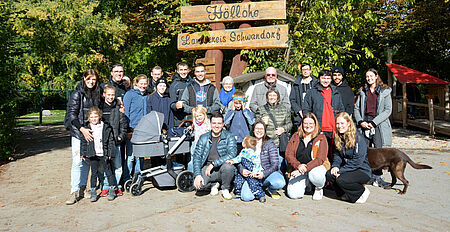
(350, 183)
(99, 165)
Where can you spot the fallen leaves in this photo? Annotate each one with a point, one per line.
(294, 213)
(238, 213)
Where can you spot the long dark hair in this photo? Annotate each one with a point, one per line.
(379, 82)
(94, 93)
(265, 137)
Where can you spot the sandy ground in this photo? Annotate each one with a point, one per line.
(33, 190)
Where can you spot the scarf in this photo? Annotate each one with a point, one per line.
(225, 97)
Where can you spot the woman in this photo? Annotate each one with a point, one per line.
(226, 94)
(307, 154)
(86, 95)
(135, 104)
(281, 114)
(271, 175)
(372, 110)
(350, 169)
(159, 101)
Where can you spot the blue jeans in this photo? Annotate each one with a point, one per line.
(117, 169)
(128, 169)
(80, 168)
(274, 181)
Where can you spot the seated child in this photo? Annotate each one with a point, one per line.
(238, 119)
(252, 162)
(99, 152)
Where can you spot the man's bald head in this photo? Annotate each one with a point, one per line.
(271, 76)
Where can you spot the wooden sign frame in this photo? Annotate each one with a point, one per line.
(247, 11)
(246, 38)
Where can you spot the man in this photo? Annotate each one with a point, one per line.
(348, 98)
(180, 80)
(199, 92)
(325, 102)
(156, 73)
(259, 92)
(301, 85)
(212, 150)
(116, 81)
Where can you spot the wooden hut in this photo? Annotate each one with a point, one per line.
(438, 99)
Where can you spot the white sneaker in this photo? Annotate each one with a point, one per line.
(215, 189)
(226, 194)
(318, 194)
(363, 198)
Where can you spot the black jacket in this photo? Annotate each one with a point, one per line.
(161, 104)
(78, 107)
(314, 102)
(117, 121)
(120, 88)
(176, 91)
(296, 96)
(348, 97)
(109, 146)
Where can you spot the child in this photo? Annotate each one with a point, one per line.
(111, 109)
(239, 120)
(252, 162)
(201, 125)
(99, 151)
(159, 101)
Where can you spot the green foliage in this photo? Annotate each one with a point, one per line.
(7, 73)
(62, 39)
(322, 33)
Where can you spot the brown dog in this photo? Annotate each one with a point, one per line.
(395, 161)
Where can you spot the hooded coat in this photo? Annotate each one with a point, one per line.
(314, 102)
(158, 103)
(176, 91)
(296, 97)
(348, 98)
(135, 104)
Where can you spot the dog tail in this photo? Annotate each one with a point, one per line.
(416, 165)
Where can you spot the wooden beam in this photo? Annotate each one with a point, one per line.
(210, 69)
(404, 106)
(211, 77)
(431, 116)
(245, 38)
(247, 11)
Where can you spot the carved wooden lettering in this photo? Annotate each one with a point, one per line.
(247, 38)
(248, 11)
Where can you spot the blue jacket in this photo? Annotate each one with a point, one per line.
(135, 104)
(226, 147)
(161, 104)
(351, 159)
(240, 124)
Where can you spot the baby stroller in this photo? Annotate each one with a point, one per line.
(149, 140)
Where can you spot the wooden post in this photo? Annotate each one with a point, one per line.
(217, 54)
(431, 115)
(389, 60)
(404, 106)
(447, 103)
(239, 63)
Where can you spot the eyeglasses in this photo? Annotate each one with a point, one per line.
(117, 71)
(306, 69)
(271, 75)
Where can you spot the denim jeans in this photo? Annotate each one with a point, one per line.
(80, 168)
(128, 169)
(296, 186)
(274, 181)
(117, 169)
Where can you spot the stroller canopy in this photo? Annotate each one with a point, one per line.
(149, 128)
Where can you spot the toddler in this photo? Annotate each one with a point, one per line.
(251, 161)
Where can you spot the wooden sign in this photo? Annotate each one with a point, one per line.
(246, 38)
(206, 61)
(248, 11)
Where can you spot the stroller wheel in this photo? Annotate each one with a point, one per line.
(136, 189)
(185, 181)
(127, 185)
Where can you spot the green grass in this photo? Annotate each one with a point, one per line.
(56, 118)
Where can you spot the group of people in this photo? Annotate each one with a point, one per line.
(236, 145)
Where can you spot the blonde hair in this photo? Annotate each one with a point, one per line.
(94, 110)
(349, 136)
(108, 86)
(249, 142)
(301, 131)
(199, 110)
(138, 78)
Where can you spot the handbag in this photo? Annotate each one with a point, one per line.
(284, 137)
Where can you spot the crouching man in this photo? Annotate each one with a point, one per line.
(212, 150)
